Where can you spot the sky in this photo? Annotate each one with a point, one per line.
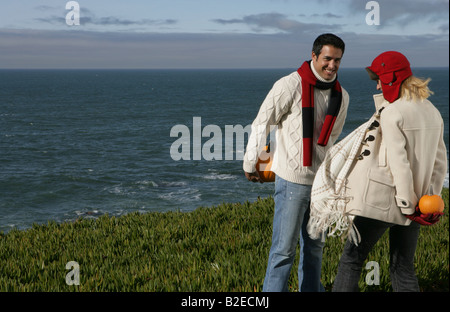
(141, 34)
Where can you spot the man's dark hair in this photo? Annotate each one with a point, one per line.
(327, 39)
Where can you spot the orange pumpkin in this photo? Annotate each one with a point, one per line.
(264, 165)
(431, 204)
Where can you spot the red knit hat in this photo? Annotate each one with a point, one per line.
(392, 68)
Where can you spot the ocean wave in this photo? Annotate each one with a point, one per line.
(133, 187)
(88, 213)
(219, 176)
(172, 184)
(146, 183)
(182, 195)
(120, 189)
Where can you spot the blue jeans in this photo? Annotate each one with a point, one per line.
(402, 247)
(291, 216)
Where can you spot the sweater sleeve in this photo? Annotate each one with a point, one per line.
(391, 125)
(275, 105)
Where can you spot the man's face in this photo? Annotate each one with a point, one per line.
(327, 62)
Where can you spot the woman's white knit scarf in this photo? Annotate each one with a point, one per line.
(328, 198)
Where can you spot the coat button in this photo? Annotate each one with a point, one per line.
(374, 124)
(370, 138)
(365, 153)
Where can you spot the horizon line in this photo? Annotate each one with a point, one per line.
(197, 68)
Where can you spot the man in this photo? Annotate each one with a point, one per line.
(309, 108)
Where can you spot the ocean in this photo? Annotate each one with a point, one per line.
(84, 143)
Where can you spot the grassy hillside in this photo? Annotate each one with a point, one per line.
(217, 249)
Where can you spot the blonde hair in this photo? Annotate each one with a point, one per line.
(415, 88)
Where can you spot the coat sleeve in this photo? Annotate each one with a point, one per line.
(275, 105)
(440, 165)
(391, 126)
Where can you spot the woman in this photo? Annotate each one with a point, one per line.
(402, 158)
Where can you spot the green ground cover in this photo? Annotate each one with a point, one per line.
(215, 249)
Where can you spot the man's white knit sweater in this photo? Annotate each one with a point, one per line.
(283, 108)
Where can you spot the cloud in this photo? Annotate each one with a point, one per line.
(88, 49)
(363, 48)
(45, 8)
(444, 28)
(405, 12)
(327, 15)
(278, 22)
(87, 17)
(114, 21)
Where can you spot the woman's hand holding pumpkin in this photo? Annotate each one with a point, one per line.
(425, 218)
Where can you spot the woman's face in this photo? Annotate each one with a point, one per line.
(379, 85)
